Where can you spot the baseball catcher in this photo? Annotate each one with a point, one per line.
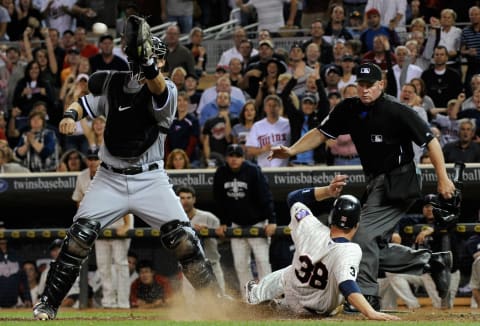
(140, 106)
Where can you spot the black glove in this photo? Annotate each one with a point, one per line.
(138, 38)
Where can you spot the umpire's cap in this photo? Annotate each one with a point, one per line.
(369, 72)
(345, 213)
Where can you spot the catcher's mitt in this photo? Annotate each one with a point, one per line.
(138, 38)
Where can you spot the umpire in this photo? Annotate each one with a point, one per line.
(383, 131)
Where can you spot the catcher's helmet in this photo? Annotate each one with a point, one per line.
(159, 47)
(345, 213)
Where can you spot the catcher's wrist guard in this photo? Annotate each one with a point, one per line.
(72, 114)
(150, 71)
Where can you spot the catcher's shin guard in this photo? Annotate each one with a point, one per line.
(65, 269)
(182, 240)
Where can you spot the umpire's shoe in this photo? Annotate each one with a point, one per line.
(439, 266)
(373, 300)
(44, 310)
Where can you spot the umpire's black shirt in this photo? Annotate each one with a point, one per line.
(382, 131)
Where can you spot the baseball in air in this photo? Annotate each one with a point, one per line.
(99, 28)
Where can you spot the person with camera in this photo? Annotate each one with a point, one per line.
(383, 130)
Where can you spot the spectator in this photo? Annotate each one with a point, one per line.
(202, 220)
(380, 53)
(348, 75)
(86, 49)
(32, 274)
(312, 55)
(257, 68)
(465, 149)
(72, 161)
(404, 71)
(270, 13)
(149, 290)
(38, 147)
(194, 94)
(374, 29)
(4, 21)
(317, 32)
(239, 35)
(106, 60)
(58, 50)
(244, 199)
(31, 89)
(298, 68)
(14, 68)
(94, 133)
(178, 77)
(177, 159)
(474, 85)
(392, 14)
(336, 25)
(216, 132)
(273, 130)
(13, 281)
(313, 108)
(7, 165)
(198, 50)
(442, 82)
(22, 15)
(470, 46)
(247, 117)
(184, 132)
(410, 98)
(178, 55)
(69, 73)
(416, 56)
(209, 95)
(246, 51)
(68, 40)
(332, 74)
(269, 84)
(425, 101)
(355, 23)
(447, 124)
(443, 32)
(235, 71)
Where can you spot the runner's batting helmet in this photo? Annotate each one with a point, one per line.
(345, 213)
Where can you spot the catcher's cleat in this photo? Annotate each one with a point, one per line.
(43, 310)
(248, 292)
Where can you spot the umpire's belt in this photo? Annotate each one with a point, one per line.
(131, 170)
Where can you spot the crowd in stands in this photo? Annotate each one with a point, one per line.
(263, 95)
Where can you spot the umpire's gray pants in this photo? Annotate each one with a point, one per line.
(378, 220)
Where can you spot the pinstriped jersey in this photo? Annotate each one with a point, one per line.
(319, 265)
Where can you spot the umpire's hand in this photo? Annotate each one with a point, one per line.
(67, 126)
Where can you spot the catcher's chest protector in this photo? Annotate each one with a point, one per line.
(131, 128)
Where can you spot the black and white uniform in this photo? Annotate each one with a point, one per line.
(149, 194)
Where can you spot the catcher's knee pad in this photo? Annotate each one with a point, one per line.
(80, 238)
(65, 269)
(182, 240)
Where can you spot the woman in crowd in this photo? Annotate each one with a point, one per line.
(198, 51)
(31, 89)
(38, 148)
(177, 160)
(94, 131)
(72, 161)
